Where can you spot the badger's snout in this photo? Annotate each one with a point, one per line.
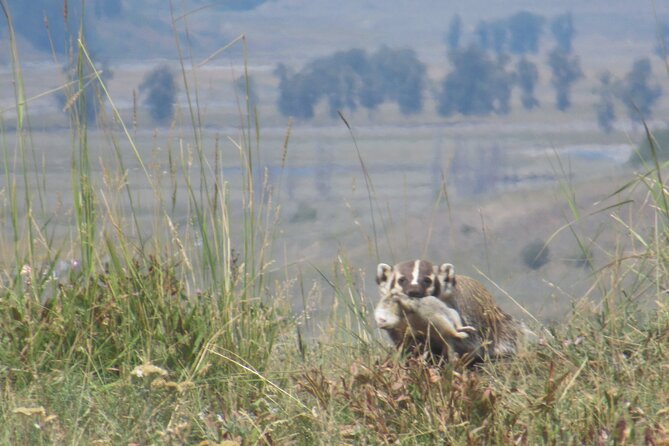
(415, 291)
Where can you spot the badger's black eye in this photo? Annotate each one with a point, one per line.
(402, 281)
(427, 282)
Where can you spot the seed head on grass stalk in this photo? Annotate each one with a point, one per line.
(24, 148)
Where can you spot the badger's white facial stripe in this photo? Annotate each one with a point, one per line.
(416, 272)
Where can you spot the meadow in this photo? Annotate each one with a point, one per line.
(192, 285)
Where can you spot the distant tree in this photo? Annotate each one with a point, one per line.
(373, 89)
(606, 114)
(160, 92)
(493, 35)
(84, 98)
(525, 29)
(562, 28)
(566, 69)
(477, 85)
(502, 85)
(662, 44)
(462, 91)
(454, 33)
(297, 95)
(527, 76)
(635, 92)
(403, 77)
(338, 79)
(499, 32)
(483, 37)
(604, 108)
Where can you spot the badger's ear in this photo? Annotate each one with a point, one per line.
(383, 272)
(446, 275)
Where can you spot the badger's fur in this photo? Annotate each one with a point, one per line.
(496, 333)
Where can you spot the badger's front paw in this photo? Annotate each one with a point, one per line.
(399, 297)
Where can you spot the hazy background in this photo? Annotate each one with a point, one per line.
(479, 187)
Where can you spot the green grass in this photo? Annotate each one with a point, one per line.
(175, 330)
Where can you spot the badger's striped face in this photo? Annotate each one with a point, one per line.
(415, 278)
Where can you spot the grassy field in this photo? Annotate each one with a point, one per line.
(192, 285)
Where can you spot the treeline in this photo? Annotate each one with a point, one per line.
(499, 57)
(352, 79)
(483, 74)
(635, 92)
